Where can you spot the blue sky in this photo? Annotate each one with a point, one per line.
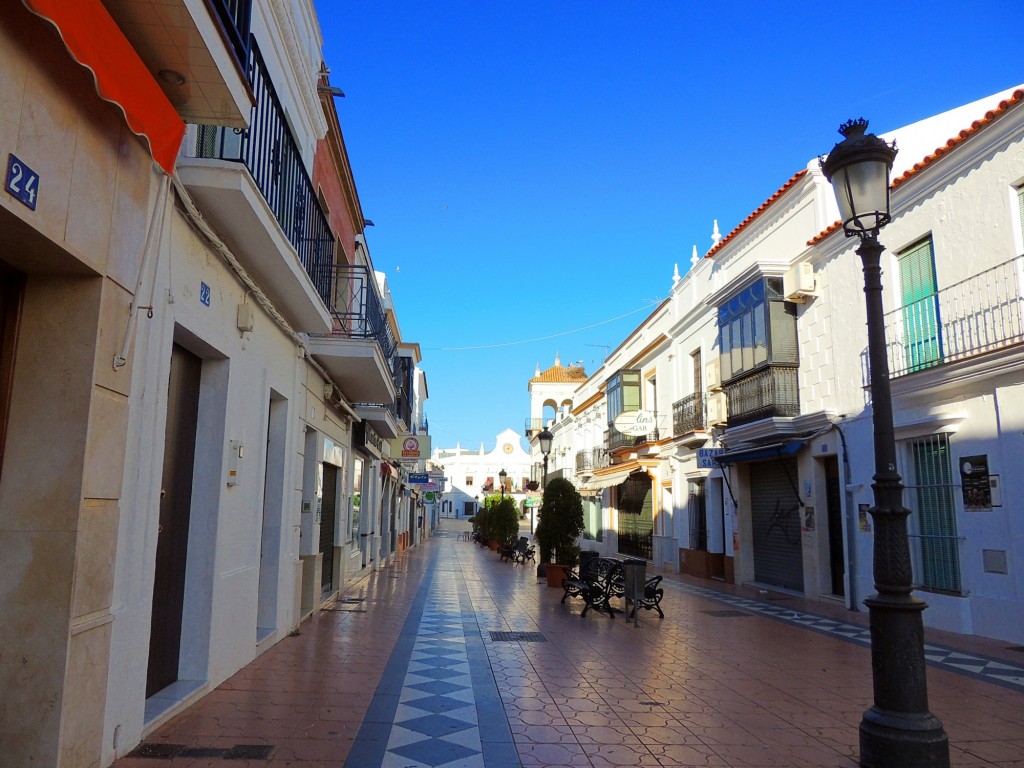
(535, 168)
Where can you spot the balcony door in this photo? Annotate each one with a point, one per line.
(922, 343)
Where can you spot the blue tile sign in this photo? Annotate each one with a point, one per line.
(419, 477)
(706, 457)
(22, 182)
(204, 294)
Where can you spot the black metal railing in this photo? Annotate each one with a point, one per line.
(980, 314)
(235, 16)
(615, 440)
(359, 312)
(688, 415)
(534, 425)
(591, 458)
(268, 150)
(769, 392)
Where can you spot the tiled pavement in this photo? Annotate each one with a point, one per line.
(416, 668)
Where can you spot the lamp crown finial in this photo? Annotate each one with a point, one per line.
(854, 128)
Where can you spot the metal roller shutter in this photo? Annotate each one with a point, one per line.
(775, 513)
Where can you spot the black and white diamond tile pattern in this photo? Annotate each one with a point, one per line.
(983, 668)
(436, 721)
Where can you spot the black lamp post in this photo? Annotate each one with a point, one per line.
(898, 730)
(544, 441)
(501, 476)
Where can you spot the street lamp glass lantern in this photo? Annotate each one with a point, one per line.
(858, 169)
(545, 438)
(502, 476)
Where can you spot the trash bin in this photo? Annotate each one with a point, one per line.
(634, 577)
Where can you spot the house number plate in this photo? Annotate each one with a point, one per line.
(22, 181)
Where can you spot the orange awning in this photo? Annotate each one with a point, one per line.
(96, 42)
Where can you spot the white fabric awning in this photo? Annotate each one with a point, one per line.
(598, 482)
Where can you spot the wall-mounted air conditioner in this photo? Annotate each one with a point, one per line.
(798, 284)
(717, 410)
(713, 375)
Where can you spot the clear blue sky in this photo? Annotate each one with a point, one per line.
(533, 168)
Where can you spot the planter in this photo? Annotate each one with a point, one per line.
(555, 574)
(493, 545)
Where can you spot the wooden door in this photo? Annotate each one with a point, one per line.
(175, 509)
(328, 515)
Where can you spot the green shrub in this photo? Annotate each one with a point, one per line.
(561, 523)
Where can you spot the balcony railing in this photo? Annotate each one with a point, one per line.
(534, 425)
(688, 415)
(980, 314)
(615, 440)
(359, 312)
(590, 459)
(770, 392)
(234, 16)
(268, 150)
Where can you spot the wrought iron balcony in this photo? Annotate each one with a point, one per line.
(359, 312)
(980, 314)
(688, 415)
(766, 393)
(533, 425)
(234, 16)
(615, 440)
(270, 153)
(590, 459)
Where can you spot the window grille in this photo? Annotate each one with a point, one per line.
(930, 494)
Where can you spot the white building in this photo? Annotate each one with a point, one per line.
(758, 467)
(209, 407)
(471, 476)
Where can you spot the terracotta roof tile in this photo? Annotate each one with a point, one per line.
(560, 374)
(760, 209)
(989, 117)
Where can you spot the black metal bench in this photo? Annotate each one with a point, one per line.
(599, 580)
(602, 579)
(524, 551)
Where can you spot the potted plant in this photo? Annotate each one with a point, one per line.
(503, 521)
(561, 523)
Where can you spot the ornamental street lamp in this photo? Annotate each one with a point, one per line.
(898, 729)
(545, 438)
(501, 476)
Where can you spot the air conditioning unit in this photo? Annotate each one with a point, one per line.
(713, 375)
(717, 410)
(798, 284)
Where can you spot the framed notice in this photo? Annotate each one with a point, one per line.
(975, 484)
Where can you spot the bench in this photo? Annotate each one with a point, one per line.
(524, 551)
(602, 579)
(599, 580)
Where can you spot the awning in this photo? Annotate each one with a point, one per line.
(598, 482)
(760, 452)
(386, 470)
(95, 41)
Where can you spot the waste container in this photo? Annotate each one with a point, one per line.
(634, 577)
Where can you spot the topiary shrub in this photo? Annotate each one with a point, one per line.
(561, 523)
(503, 521)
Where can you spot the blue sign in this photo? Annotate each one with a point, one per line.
(706, 457)
(419, 477)
(22, 182)
(204, 294)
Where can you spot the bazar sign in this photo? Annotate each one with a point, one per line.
(411, 447)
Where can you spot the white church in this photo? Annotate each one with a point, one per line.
(473, 475)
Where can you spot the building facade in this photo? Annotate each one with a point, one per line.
(756, 460)
(208, 407)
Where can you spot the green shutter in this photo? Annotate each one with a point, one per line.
(922, 343)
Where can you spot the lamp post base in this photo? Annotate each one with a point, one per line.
(890, 739)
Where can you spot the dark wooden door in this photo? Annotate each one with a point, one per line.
(837, 560)
(328, 516)
(11, 288)
(175, 508)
